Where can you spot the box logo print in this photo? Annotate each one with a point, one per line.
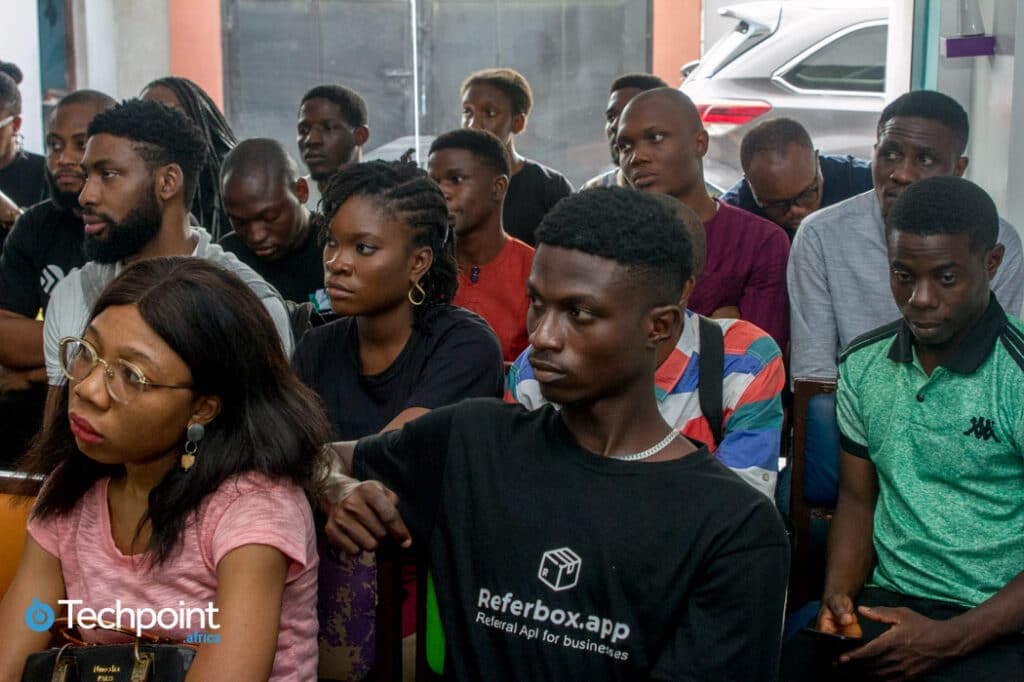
(560, 569)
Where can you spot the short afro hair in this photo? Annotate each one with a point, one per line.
(485, 146)
(640, 81)
(946, 205)
(351, 103)
(931, 105)
(510, 82)
(773, 137)
(161, 135)
(634, 229)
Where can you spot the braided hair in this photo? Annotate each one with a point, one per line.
(10, 96)
(407, 193)
(219, 139)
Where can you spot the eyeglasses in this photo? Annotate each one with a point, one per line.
(124, 381)
(6, 121)
(805, 199)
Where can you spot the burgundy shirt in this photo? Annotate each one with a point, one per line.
(746, 268)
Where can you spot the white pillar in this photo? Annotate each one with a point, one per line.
(19, 36)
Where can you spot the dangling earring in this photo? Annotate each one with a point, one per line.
(420, 290)
(194, 434)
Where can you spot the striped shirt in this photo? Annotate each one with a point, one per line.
(752, 380)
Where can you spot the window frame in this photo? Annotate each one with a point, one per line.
(779, 75)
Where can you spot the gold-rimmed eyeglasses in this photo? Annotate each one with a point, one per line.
(124, 380)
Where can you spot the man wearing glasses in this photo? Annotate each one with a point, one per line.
(785, 179)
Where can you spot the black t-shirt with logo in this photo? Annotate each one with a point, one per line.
(456, 355)
(532, 192)
(298, 276)
(553, 563)
(44, 245)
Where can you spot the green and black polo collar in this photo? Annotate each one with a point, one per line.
(974, 349)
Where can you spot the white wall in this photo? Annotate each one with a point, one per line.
(992, 92)
(19, 40)
(121, 44)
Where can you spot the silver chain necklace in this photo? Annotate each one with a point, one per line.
(649, 452)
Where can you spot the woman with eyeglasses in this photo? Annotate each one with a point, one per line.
(177, 471)
(22, 174)
(399, 350)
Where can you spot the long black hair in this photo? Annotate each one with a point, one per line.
(408, 193)
(219, 138)
(269, 421)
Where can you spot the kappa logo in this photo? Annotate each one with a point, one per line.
(560, 569)
(49, 277)
(981, 429)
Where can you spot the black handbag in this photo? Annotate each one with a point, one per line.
(147, 659)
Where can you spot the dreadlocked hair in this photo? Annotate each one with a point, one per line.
(219, 139)
(408, 194)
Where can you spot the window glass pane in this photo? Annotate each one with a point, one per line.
(854, 62)
(568, 50)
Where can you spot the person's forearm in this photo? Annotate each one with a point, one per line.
(21, 343)
(1000, 615)
(850, 550)
(337, 479)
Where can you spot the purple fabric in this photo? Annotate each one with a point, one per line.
(746, 268)
(346, 607)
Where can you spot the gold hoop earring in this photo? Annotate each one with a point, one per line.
(417, 287)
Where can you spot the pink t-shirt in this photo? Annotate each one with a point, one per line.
(245, 510)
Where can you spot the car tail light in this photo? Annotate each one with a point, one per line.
(721, 116)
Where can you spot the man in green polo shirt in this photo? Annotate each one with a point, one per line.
(931, 416)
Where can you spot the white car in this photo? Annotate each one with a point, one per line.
(820, 63)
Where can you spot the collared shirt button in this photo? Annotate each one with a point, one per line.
(920, 397)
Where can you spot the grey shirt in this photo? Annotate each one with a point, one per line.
(838, 279)
(68, 312)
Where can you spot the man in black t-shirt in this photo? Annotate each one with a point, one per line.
(591, 542)
(265, 199)
(499, 101)
(44, 245)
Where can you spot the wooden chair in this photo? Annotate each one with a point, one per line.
(14, 509)
(807, 573)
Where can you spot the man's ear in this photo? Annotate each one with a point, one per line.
(169, 181)
(961, 166)
(361, 135)
(301, 190)
(684, 299)
(205, 408)
(518, 123)
(663, 323)
(993, 259)
(701, 143)
(499, 187)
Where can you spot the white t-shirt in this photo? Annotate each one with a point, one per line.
(67, 312)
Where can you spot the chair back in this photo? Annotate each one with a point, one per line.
(14, 510)
(815, 481)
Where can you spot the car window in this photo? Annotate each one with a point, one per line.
(853, 62)
(730, 46)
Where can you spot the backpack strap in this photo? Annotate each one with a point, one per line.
(710, 379)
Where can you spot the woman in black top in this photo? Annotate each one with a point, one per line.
(22, 178)
(399, 350)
